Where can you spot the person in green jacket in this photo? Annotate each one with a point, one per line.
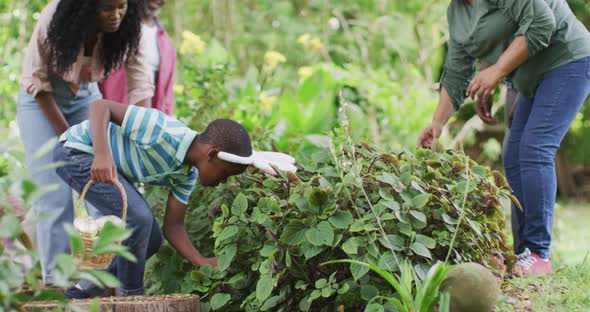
(544, 51)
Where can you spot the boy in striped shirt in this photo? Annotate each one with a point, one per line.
(135, 144)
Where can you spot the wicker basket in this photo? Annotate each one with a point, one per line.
(104, 260)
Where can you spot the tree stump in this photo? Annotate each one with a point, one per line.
(163, 303)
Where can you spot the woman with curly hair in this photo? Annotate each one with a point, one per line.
(75, 44)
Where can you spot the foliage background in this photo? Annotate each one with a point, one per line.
(376, 60)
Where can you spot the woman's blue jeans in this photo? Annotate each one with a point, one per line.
(538, 127)
(54, 208)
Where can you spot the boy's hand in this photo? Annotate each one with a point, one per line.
(103, 169)
(176, 234)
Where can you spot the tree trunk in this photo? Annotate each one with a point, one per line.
(164, 303)
(565, 180)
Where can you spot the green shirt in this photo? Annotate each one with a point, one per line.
(483, 31)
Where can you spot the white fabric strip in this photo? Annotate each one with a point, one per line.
(232, 158)
(262, 160)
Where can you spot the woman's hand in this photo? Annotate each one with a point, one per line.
(483, 107)
(485, 82)
(103, 169)
(428, 135)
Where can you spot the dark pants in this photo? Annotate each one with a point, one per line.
(146, 238)
(538, 127)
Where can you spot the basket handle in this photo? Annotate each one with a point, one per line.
(83, 194)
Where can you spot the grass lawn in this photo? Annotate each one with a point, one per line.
(568, 288)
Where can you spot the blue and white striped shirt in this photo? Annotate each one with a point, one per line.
(148, 147)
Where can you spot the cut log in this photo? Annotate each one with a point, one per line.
(163, 303)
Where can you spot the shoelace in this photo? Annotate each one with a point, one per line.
(525, 259)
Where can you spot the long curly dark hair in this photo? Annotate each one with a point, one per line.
(74, 22)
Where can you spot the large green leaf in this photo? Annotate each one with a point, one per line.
(228, 232)
(341, 219)
(310, 251)
(374, 307)
(226, 257)
(264, 287)
(271, 303)
(294, 233)
(392, 241)
(426, 241)
(351, 245)
(240, 205)
(420, 200)
(418, 215)
(109, 235)
(86, 276)
(106, 278)
(321, 234)
(369, 291)
(421, 250)
(357, 270)
(219, 300)
(76, 244)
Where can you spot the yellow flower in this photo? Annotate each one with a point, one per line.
(273, 58)
(304, 72)
(315, 44)
(309, 43)
(191, 43)
(266, 101)
(303, 40)
(178, 89)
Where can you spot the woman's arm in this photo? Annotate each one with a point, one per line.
(536, 25)
(35, 77)
(487, 80)
(140, 87)
(52, 112)
(443, 113)
(459, 68)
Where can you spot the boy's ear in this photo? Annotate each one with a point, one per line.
(212, 153)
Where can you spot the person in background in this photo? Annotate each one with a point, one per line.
(72, 47)
(545, 51)
(160, 57)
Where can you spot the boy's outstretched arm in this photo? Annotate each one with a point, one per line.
(176, 234)
(101, 113)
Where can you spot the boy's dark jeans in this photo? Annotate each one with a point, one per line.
(146, 238)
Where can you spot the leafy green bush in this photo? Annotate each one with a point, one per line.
(271, 233)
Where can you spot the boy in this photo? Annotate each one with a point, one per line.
(136, 144)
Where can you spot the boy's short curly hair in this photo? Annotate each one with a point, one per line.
(227, 135)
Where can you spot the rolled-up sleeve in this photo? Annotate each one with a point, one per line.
(139, 77)
(35, 74)
(458, 71)
(535, 20)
